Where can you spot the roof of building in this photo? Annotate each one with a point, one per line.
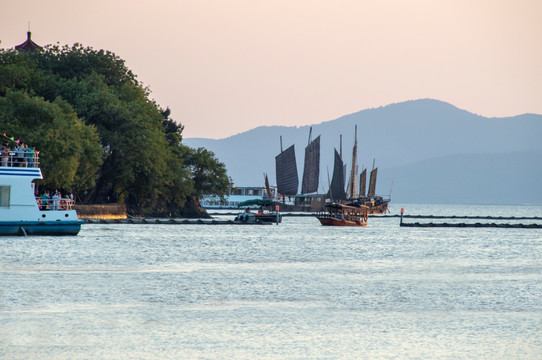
(28, 45)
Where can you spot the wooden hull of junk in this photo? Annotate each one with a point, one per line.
(344, 215)
(317, 202)
(377, 205)
(20, 213)
(318, 206)
(378, 209)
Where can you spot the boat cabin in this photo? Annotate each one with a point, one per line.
(311, 202)
(344, 215)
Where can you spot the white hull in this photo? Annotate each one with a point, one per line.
(19, 210)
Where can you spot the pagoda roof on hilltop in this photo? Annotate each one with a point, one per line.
(28, 45)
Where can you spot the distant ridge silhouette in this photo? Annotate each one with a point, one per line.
(485, 160)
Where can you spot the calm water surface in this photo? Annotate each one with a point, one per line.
(293, 291)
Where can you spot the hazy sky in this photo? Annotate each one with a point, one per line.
(228, 66)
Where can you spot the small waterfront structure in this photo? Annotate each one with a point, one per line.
(22, 213)
(236, 196)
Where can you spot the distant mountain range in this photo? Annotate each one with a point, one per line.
(431, 150)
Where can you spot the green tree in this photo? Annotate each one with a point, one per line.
(70, 154)
(95, 123)
(209, 175)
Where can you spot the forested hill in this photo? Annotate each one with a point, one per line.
(99, 134)
(431, 150)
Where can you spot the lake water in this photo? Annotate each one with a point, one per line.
(293, 291)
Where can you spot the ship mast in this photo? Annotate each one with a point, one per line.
(352, 193)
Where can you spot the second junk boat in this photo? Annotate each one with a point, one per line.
(353, 197)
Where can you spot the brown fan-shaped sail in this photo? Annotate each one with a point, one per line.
(362, 183)
(311, 171)
(372, 183)
(337, 182)
(286, 169)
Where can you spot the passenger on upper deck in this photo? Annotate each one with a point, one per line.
(31, 154)
(21, 155)
(5, 155)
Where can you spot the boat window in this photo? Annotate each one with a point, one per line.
(4, 196)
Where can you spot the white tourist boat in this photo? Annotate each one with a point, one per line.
(21, 213)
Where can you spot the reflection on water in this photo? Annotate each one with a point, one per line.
(293, 291)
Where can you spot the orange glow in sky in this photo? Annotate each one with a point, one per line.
(224, 67)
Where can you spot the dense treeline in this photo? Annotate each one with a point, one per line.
(99, 134)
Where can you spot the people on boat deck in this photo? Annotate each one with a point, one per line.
(338, 216)
(45, 201)
(260, 210)
(21, 155)
(31, 155)
(247, 210)
(5, 155)
(56, 200)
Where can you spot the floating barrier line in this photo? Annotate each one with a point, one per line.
(299, 214)
(468, 217)
(309, 214)
(170, 222)
(473, 225)
(415, 224)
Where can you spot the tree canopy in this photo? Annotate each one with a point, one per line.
(100, 135)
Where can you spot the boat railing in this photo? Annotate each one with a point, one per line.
(19, 158)
(55, 204)
(349, 213)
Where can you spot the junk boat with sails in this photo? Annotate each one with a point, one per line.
(288, 182)
(21, 213)
(376, 204)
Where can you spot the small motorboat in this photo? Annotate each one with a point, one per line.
(268, 211)
(249, 218)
